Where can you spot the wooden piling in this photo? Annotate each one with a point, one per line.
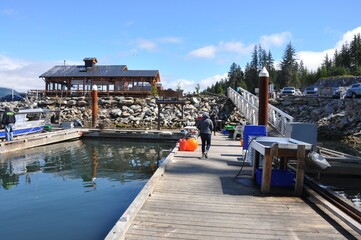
(94, 106)
(263, 97)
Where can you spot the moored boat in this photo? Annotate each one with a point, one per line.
(28, 121)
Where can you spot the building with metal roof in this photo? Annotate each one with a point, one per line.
(69, 80)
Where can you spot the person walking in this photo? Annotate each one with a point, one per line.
(214, 119)
(8, 121)
(205, 127)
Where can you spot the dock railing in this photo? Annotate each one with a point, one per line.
(247, 103)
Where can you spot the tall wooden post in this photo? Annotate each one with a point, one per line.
(159, 110)
(94, 106)
(263, 97)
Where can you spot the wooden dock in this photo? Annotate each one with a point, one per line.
(193, 198)
(40, 139)
(135, 135)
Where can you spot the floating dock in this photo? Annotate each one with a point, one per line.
(40, 139)
(193, 198)
(144, 135)
(60, 135)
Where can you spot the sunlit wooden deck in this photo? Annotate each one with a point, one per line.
(201, 199)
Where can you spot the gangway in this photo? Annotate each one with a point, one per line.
(247, 104)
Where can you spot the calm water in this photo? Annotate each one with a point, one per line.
(348, 187)
(72, 190)
(354, 150)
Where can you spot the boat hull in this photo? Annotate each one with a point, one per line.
(28, 121)
(23, 131)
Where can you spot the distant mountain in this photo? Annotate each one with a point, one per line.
(8, 91)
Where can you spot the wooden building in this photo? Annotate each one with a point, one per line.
(77, 80)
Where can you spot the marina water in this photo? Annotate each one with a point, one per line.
(348, 187)
(79, 189)
(73, 190)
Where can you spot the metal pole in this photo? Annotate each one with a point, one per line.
(94, 106)
(263, 97)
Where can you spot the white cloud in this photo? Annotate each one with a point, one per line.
(210, 51)
(208, 82)
(146, 44)
(348, 37)
(22, 75)
(189, 86)
(204, 52)
(8, 64)
(313, 60)
(185, 84)
(233, 50)
(152, 45)
(277, 40)
(237, 47)
(174, 40)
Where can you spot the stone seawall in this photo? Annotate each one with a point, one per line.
(337, 119)
(136, 113)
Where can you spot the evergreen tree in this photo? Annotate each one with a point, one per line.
(289, 68)
(262, 57)
(254, 58)
(198, 87)
(270, 67)
(302, 74)
(235, 76)
(355, 54)
(231, 75)
(270, 62)
(345, 57)
(328, 65)
(251, 72)
(220, 89)
(345, 61)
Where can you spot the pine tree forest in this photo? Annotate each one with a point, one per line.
(291, 71)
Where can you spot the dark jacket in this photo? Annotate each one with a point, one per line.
(205, 125)
(8, 117)
(214, 118)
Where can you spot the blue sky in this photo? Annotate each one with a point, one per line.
(189, 42)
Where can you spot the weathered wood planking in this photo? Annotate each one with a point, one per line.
(200, 199)
(39, 139)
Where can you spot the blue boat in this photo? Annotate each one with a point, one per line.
(28, 121)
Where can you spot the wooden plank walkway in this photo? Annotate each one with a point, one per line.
(201, 199)
(39, 139)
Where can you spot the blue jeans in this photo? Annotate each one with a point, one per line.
(206, 140)
(9, 134)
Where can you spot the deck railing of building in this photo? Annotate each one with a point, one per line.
(247, 103)
(71, 93)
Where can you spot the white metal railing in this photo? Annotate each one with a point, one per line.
(247, 103)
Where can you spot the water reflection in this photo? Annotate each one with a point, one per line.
(77, 189)
(351, 149)
(13, 165)
(95, 166)
(346, 186)
(353, 195)
(80, 159)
